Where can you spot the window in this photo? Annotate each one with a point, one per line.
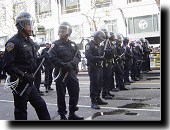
(43, 8)
(101, 3)
(148, 23)
(50, 34)
(70, 6)
(131, 1)
(111, 25)
(19, 6)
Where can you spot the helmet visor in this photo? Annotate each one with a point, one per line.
(101, 37)
(63, 30)
(26, 23)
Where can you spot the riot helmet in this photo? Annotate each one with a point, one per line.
(24, 22)
(106, 32)
(119, 37)
(99, 36)
(125, 40)
(142, 40)
(64, 30)
(112, 36)
(132, 43)
(138, 44)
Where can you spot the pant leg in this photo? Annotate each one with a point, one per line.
(95, 80)
(61, 91)
(107, 80)
(37, 81)
(119, 77)
(73, 91)
(126, 71)
(50, 76)
(39, 104)
(133, 70)
(20, 107)
(46, 82)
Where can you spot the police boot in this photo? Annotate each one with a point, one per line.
(106, 97)
(94, 104)
(63, 117)
(73, 116)
(100, 101)
(112, 95)
(46, 89)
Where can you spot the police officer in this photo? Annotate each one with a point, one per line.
(112, 41)
(133, 62)
(65, 56)
(119, 63)
(146, 59)
(94, 58)
(19, 61)
(128, 56)
(139, 58)
(37, 81)
(48, 68)
(108, 51)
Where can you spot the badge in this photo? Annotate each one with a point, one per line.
(87, 47)
(9, 46)
(102, 44)
(72, 45)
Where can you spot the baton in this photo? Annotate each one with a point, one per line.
(33, 76)
(36, 71)
(65, 76)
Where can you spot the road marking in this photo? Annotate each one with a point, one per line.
(131, 84)
(145, 83)
(85, 106)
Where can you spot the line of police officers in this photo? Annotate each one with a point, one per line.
(105, 57)
(108, 55)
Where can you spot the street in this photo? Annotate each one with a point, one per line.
(140, 103)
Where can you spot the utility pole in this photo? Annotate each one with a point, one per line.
(124, 19)
(58, 7)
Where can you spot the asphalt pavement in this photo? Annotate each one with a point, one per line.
(142, 102)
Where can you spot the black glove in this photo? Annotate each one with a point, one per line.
(28, 78)
(70, 66)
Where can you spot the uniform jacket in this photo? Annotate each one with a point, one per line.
(64, 52)
(92, 53)
(19, 56)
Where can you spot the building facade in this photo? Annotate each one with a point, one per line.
(132, 18)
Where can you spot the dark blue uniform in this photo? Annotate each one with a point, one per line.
(48, 69)
(62, 54)
(127, 63)
(138, 53)
(146, 59)
(108, 64)
(37, 81)
(19, 58)
(93, 53)
(119, 66)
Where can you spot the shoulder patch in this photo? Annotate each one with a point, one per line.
(9, 46)
(87, 47)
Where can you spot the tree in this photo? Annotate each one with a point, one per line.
(91, 14)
